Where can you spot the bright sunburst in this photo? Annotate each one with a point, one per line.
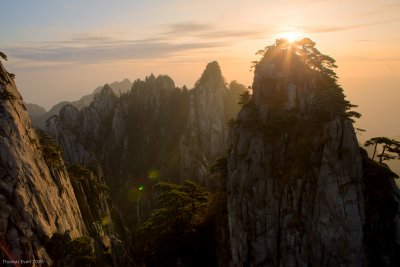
(291, 36)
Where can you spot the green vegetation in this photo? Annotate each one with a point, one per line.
(244, 98)
(52, 152)
(390, 148)
(77, 252)
(381, 209)
(5, 95)
(3, 78)
(3, 56)
(77, 171)
(302, 62)
(179, 227)
(220, 167)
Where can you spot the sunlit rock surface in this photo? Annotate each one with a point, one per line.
(36, 198)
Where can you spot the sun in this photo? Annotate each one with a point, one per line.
(291, 36)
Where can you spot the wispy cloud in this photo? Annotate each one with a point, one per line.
(103, 49)
(187, 28)
(174, 40)
(370, 59)
(328, 29)
(208, 31)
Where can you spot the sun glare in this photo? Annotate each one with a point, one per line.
(291, 36)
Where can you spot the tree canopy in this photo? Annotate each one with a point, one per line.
(3, 56)
(390, 148)
(301, 59)
(180, 210)
(303, 50)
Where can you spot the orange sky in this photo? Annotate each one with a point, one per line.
(61, 50)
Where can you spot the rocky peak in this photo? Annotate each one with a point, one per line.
(206, 136)
(105, 101)
(206, 114)
(34, 110)
(69, 115)
(295, 176)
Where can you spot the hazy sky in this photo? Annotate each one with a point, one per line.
(60, 50)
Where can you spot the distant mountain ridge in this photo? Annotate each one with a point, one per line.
(155, 126)
(39, 115)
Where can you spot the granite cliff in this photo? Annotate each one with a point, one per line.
(57, 214)
(37, 198)
(154, 126)
(39, 115)
(295, 175)
(299, 191)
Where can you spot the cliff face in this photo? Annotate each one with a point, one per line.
(206, 135)
(102, 220)
(36, 195)
(382, 202)
(80, 132)
(39, 115)
(295, 177)
(153, 126)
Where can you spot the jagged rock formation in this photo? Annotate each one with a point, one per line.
(154, 128)
(102, 220)
(39, 116)
(155, 125)
(206, 137)
(295, 175)
(89, 125)
(36, 196)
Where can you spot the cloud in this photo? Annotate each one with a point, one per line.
(370, 59)
(208, 31)
(187, 28)
(327, 29)
(98, 49)
(174, 40)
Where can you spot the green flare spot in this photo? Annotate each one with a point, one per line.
(153, 175)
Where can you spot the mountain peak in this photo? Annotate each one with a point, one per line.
(212, 75)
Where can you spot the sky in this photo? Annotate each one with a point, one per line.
(61, 50)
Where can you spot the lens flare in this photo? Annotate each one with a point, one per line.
(291, 36)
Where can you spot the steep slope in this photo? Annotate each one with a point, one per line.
(295, 176)
(206, 137)
(37, 198)
(153, 132)
(153, 126)
(382, 205)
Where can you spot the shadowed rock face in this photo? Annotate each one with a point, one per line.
(295, 189)
(36, 196)
(206, 137)
(155, 125)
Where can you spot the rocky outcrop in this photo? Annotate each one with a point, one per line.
(206, 135)
(102, 220)
(36, 196)
(153, 126)
(295, 177)
(80, 132)
(206, 120)
(39, 115)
